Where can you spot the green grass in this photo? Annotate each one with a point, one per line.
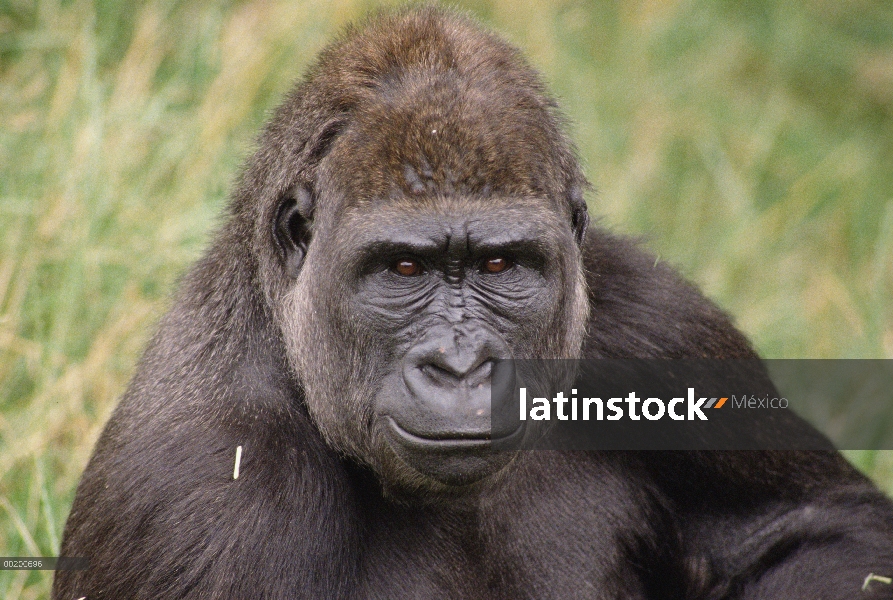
(750, 142)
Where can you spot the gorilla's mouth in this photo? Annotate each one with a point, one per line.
(467, 440)
(452, 457)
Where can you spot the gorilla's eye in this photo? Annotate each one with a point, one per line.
(408, 267)
(497, 264)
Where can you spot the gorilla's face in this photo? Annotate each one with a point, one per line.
(400, 310)
(443, 234)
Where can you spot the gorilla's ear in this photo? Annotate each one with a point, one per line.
(293, 228)
(579, 213)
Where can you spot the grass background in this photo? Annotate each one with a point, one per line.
(750, 142)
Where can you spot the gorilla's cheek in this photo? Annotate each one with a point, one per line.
(336, 394)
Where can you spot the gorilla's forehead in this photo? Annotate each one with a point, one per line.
(431, 131)
(475, 224)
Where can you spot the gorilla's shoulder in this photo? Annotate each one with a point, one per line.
(643, 308)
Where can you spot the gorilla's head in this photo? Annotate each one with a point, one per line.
(433, 226)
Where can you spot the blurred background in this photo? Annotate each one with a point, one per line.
(750, 143)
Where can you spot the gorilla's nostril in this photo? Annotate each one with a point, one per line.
(439, 374)
(476, 376)
(481, 372)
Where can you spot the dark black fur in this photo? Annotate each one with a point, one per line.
(159, 514)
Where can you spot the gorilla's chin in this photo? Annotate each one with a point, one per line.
(452, 461)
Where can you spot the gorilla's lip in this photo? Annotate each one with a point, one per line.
(457, 440)
(448, 440)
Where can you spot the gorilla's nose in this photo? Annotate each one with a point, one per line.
(446, 367)
(452, 356)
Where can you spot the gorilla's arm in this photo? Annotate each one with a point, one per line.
(158, 511)
(768, 524)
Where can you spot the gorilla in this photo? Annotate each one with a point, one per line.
(312, 418)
